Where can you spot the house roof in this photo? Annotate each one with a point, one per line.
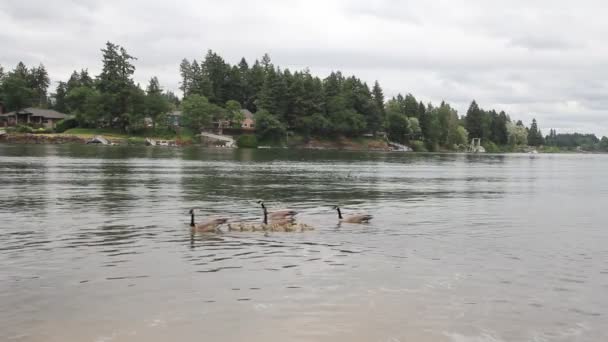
(175, 113)
(247, 114)
(45, 113)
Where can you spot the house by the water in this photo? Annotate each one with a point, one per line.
(47, 118)
(248, 123)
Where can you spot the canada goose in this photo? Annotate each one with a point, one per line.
(210, 226)
(357, 218)
(279, 214)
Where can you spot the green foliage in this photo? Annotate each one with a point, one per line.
(418, 146)
(214, 90)
(573, 140)
(155, 104)
(316, 124)
(86, 105)
(603, 145)
(491, 147)
(416, 131)
(268, 127)
(398, 127)
(16, 92)
(66, 124)
(116, 85)
(518, 135)
(199, 113)
(234, 114)
(24, 129)
(461, 136)
(474, 121)
(535, 137)
(247, 141)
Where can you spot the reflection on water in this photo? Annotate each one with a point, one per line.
(95, 246)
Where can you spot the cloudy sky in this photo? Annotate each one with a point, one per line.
(531, 58)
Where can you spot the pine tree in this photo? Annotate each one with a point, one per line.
(535, 137)
(217, 72)
(120, 95)
(38, 81)
(156, 105)
(59, 98)
(424, 119)
(255, 81)
(410, 106)
(185, 71)
(378, 97)
(474, 121)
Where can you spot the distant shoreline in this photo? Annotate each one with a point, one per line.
(351, 145)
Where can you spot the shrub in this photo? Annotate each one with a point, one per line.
(24, 129)
(65, 124)
(491, 147)
(418, 146)
(247, 141)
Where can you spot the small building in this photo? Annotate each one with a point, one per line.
(47, 118)
(249, 122)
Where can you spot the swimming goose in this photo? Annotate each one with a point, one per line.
(279, 214)
(210, 226)
(357, 218)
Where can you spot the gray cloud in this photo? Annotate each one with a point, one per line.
(543, 59)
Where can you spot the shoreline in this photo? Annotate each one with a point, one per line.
(340, 144)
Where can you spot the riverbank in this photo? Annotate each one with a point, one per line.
(82, 136)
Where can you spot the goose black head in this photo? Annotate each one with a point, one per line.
(191, 212)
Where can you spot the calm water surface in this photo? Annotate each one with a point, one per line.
(95, 246)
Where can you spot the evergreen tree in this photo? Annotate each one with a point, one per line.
(378, 97)
(273, 93)
(217, 72)
(38, 81)
(185, 71)
(535, 137)
(499, 134)
(120, 96)
(255, 81)
(21, 71)
(425, 119)
(156, 105)
(410, 106)
(474, 121)
(16, 94)
(59, 98)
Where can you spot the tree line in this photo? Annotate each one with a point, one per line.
(282, 100)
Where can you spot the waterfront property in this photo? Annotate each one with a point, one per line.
(47, 118)
(247, 125)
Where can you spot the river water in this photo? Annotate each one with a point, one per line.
(95, 246)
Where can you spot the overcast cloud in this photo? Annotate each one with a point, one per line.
(543, 59)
